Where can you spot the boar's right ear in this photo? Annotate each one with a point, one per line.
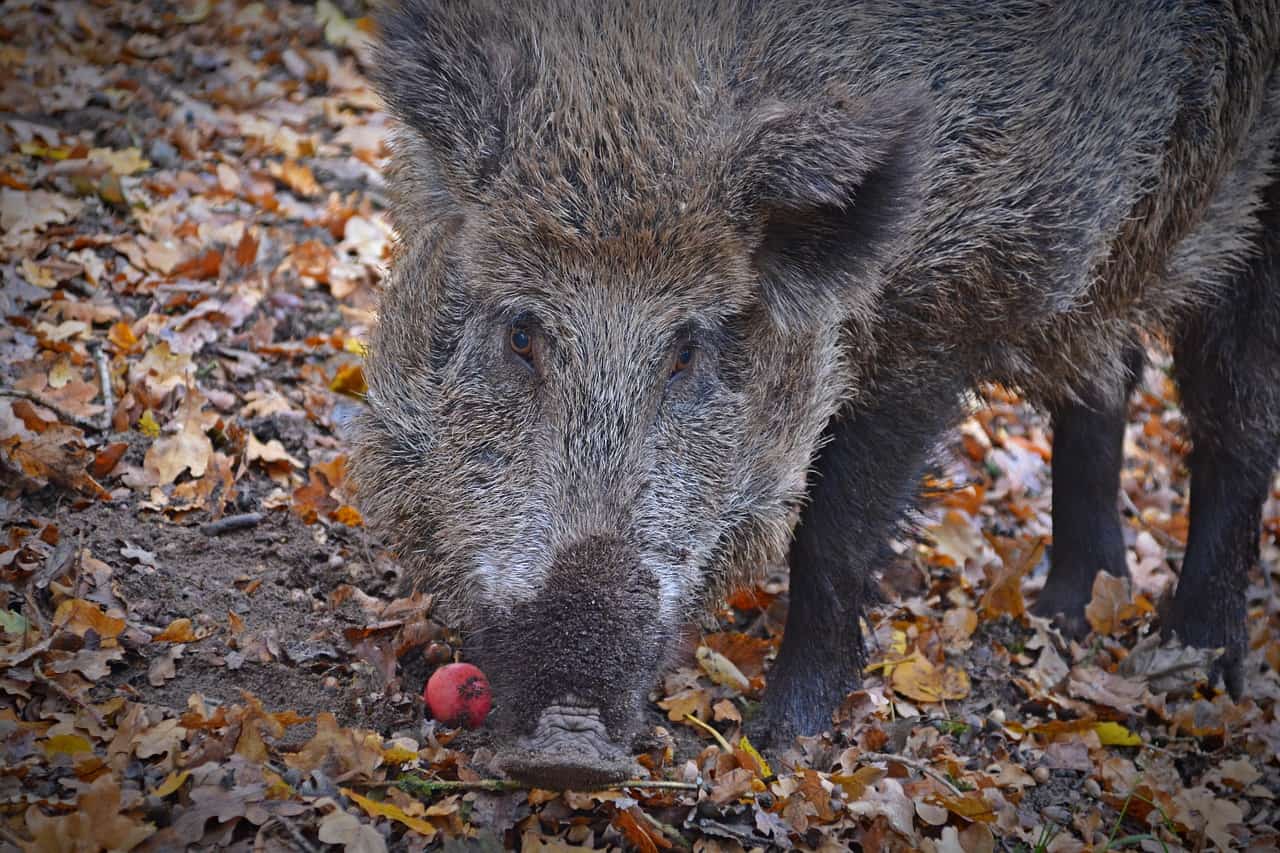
(824, 191)
(450, 71)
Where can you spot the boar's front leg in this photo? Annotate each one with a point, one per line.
(864, 479)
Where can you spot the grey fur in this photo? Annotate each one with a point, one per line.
(838, 201)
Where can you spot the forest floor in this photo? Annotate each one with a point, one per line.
(203, 648)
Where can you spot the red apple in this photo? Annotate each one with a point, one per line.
(457, 694)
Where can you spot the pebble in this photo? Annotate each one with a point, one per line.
(161, 153)
(1057, 814)
(1041, 774)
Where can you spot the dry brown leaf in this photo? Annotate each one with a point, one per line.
(188, 449)
(692, 701)
(1111, 605)
(342, 753)
(79, 617)
(97, 823)
(1004, 591)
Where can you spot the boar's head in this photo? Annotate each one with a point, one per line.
(612, 336)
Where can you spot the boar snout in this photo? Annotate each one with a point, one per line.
(571, 665)
(569, 748)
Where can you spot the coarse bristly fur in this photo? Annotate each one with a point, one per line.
(848, 212)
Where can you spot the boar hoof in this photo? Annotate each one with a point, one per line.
(1065, 605)
(1194, 629)
(569, 749)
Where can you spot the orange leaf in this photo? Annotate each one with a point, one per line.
(179, 631)
(121, 335)
(105, 460)
(202, 266)
(79, 617)
(639, 832)
(349, 380)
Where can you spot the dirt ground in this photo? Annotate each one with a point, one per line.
(204, 648)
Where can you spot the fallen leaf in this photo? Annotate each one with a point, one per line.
(721, 670)
(918, 679)
(79, 617)
(393, 812)
(338, 827)
(188, 449)
(1111, 606)
(97, 823)
(1167, 667)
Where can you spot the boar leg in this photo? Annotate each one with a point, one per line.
(1227, 363)
(863, 480)
(1088, 442)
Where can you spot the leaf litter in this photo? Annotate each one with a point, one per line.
(203, 648)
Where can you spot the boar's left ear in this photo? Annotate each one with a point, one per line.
(824, 191)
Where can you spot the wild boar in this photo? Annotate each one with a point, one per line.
(689, 289)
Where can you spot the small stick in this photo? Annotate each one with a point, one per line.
(666, 829)
(914, 765)
(63, 414)
(724, 744)
(1176, 548)
(104, 381)
(231, 523)
(428, 787)
(298, 838)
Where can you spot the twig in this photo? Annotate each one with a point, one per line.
(231, 523)
(724, 744)
(298, 838)
(914, 765)
(104, 381)
(429, 787)
(1165, 538)
(666, 829)
(62, 413)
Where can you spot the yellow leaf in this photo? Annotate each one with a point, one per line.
(356, 346)
(35, 149)
(745, 746)
(1114, 734)
(920, 680)
(171, 783)
(66, 745)
(147, 424)
(124, 161)
(349, 380)
(394, 812)
(277, 788)
(398, 755)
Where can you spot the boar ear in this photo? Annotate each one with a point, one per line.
(826, 190)
(450, 72)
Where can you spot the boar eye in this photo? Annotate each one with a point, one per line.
(521, 342)
(682, 360)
